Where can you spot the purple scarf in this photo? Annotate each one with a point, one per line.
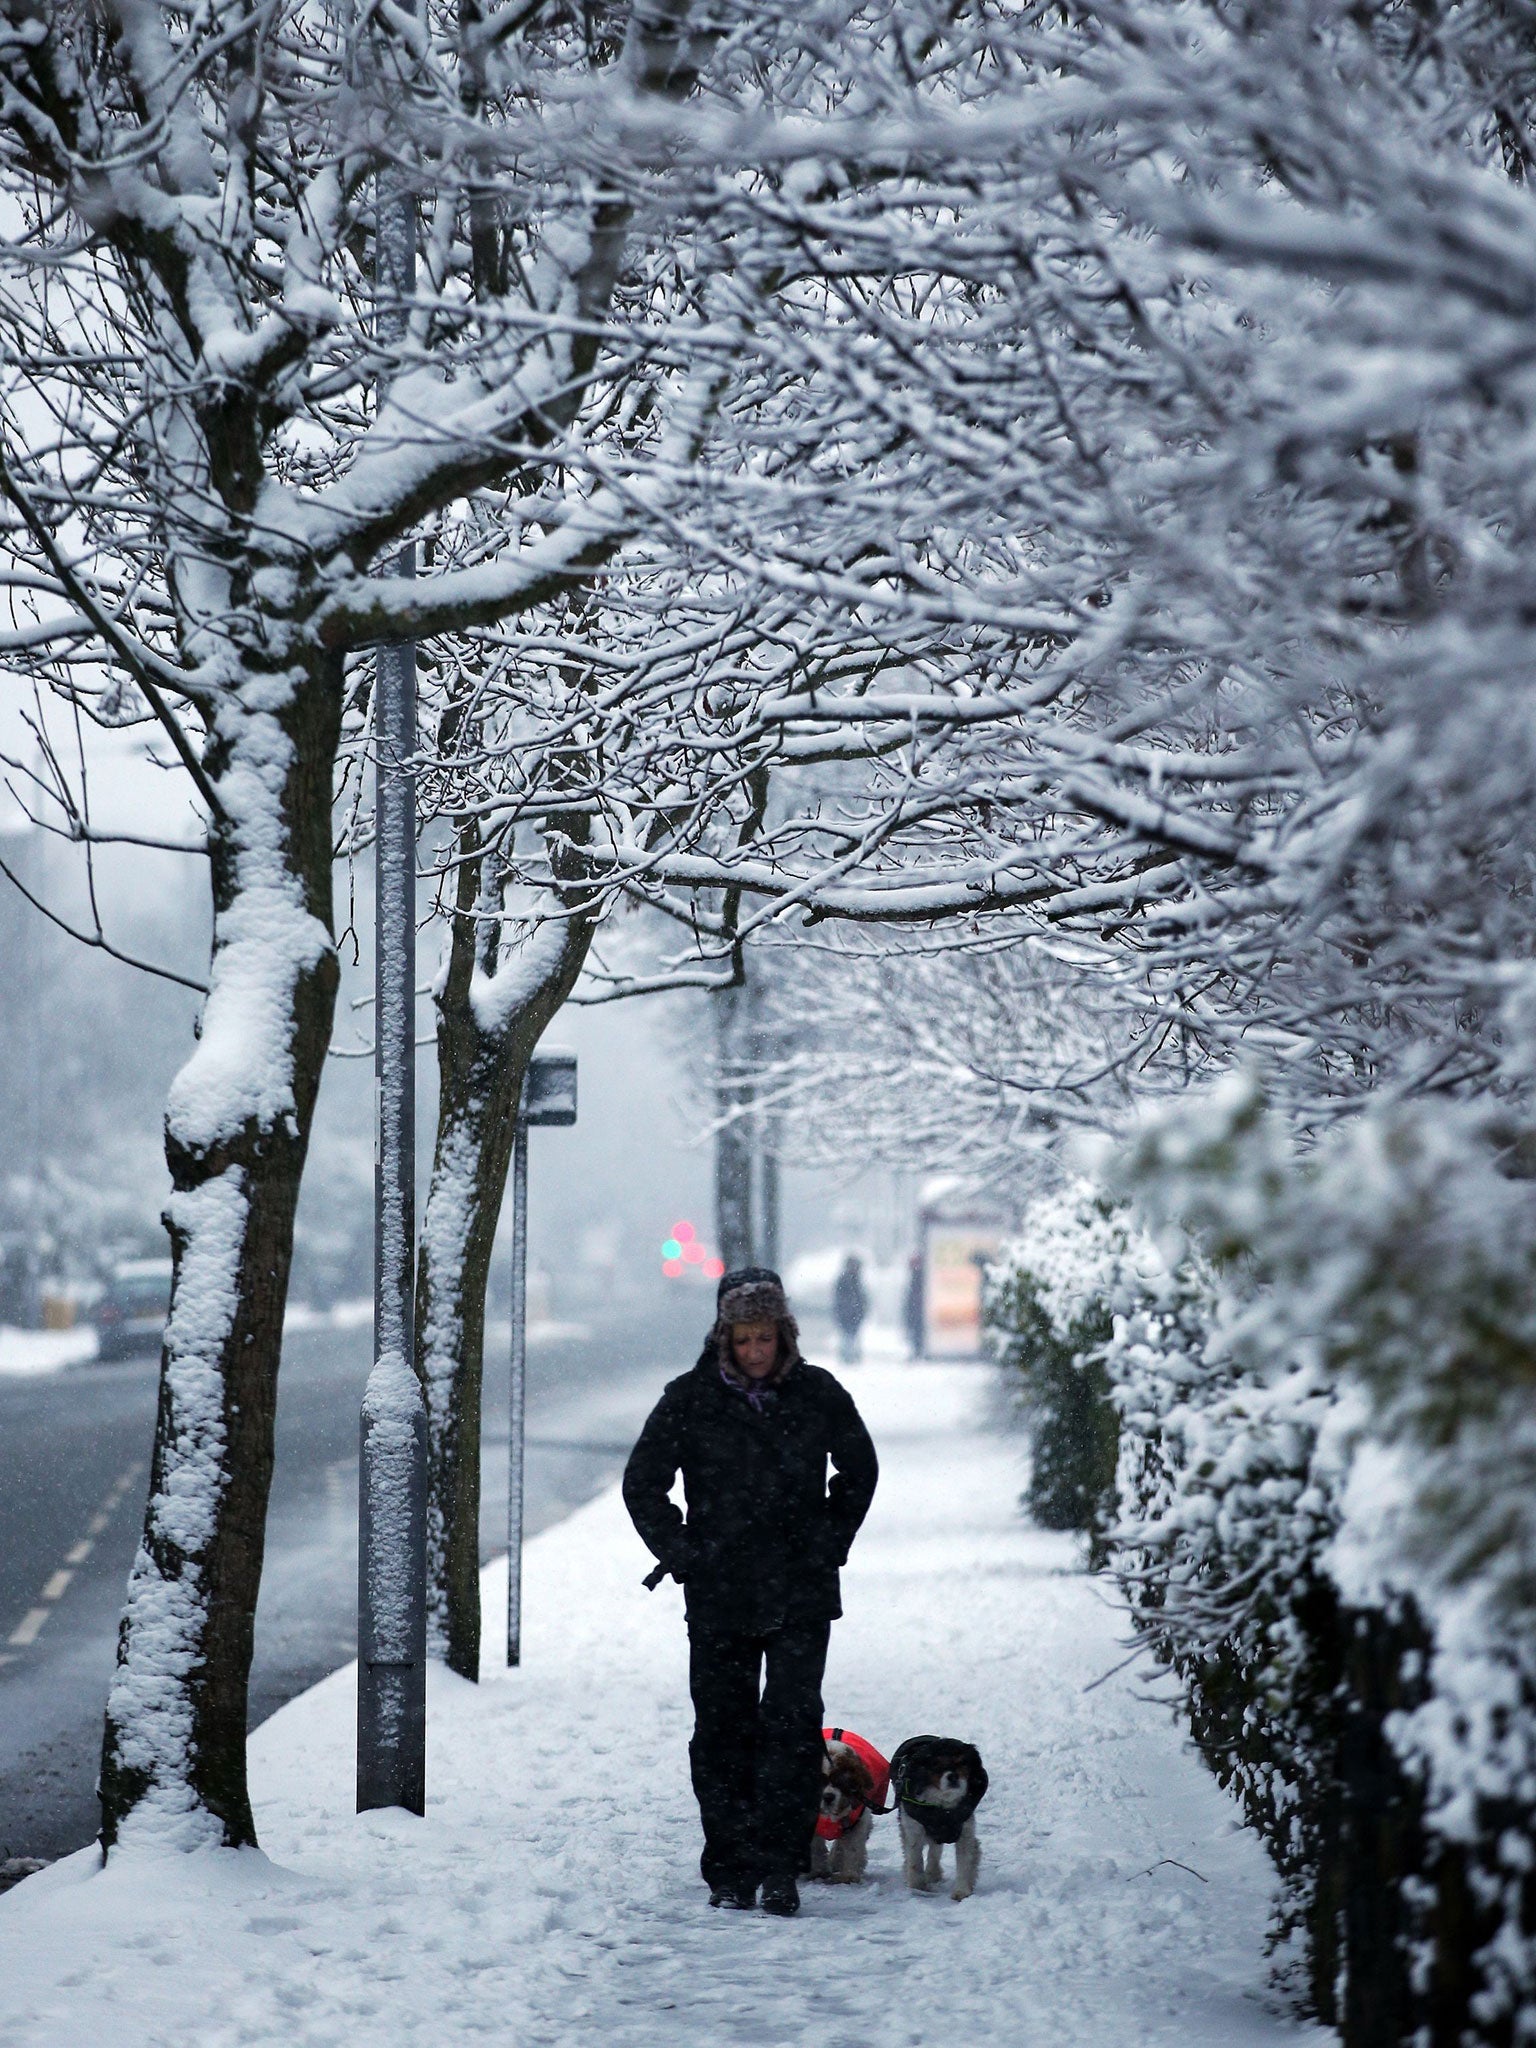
(756, 1392)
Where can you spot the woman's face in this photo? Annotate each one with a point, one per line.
(755, 1348)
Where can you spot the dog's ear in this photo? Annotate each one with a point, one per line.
(856, 1777)
(906, 1756)
(911, 1760)
(976, 1769)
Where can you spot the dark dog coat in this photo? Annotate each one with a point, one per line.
(914, 1761)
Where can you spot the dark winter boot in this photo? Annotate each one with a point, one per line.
(740, 1897)
(781, 1895)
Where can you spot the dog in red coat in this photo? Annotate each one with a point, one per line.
(855, 1779)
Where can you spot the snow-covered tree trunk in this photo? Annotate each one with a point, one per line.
(494, 1005)
(237, 1127)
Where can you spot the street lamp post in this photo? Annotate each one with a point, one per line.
(392, 1475)
(548, 1097)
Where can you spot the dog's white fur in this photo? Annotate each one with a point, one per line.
(846, 1860)
(922, 1858)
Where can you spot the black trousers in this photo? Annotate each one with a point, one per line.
(756, 1748)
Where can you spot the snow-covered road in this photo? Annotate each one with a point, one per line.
(551, 1895)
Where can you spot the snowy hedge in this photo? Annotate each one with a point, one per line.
(1321, 1522)
(1049, 1313)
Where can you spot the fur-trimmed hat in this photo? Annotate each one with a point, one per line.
(740, 1276)
(754, 1301)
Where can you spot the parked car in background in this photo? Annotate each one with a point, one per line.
(130, 1316)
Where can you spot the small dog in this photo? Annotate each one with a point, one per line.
(938, 1784)
(854, 1780)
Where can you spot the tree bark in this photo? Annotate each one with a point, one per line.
(237, 1130)
(491, 1014)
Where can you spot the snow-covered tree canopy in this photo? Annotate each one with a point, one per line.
(1165, 483)
(197, 445)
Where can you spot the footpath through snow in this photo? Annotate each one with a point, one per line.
(551, 1895)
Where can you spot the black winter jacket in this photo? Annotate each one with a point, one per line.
(765, 1535)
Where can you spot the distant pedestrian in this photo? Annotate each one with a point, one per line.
(913, 1308)
(751, 1429)
(850, 1305)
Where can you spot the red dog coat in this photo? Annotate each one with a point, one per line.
(833, 1830)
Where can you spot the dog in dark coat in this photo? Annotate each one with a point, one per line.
(938, 1784)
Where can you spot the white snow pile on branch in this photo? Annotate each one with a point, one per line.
(241, 1069)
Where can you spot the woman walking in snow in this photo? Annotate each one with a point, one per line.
(751, 1429)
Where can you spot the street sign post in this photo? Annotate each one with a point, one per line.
(548, 1097)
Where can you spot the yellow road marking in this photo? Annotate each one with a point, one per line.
(55, 1586)
(96, 1524)
(80, 1552)
(26, 1632)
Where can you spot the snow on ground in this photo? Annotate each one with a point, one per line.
(352, 1314)
(37, 1351)
(551, 1895)
(357, 1314)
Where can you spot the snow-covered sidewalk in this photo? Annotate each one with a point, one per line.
(551, 1895)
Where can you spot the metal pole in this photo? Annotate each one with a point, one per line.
(768, 1239)
(518, 1397)
(548, 1096)
(392, 1491)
